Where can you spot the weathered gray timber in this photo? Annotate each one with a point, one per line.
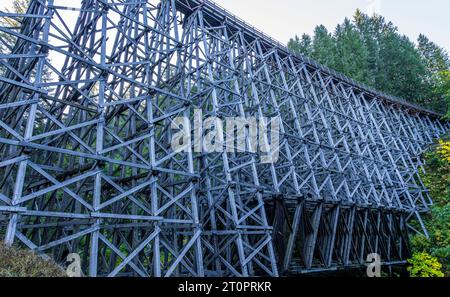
(86, 164)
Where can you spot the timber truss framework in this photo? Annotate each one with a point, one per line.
(88, 95)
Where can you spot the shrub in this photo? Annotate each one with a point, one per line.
(444, 149)
(16, 262)
(424, 265)
(437, 222)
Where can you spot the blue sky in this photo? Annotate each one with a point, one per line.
(282, 19)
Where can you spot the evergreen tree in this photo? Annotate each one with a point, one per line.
(324, 47)
(437, 78)
(352, 54)
(370, 30)
(302, 46)
(401, 72)
(370, 49)
(436, 58)
(6, 40)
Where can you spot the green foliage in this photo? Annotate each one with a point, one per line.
(438, 245)
(370, 49)
(395, 66)
(302, 46)
(424, 265)
(8, 41)
(18, 6)
(401, 71)
(351, 52)
(437, 177)
(437, 180)
(324, 47)
(23, 263)
(437, 78)
(442, 89)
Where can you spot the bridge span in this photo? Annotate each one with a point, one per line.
(88, 99)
